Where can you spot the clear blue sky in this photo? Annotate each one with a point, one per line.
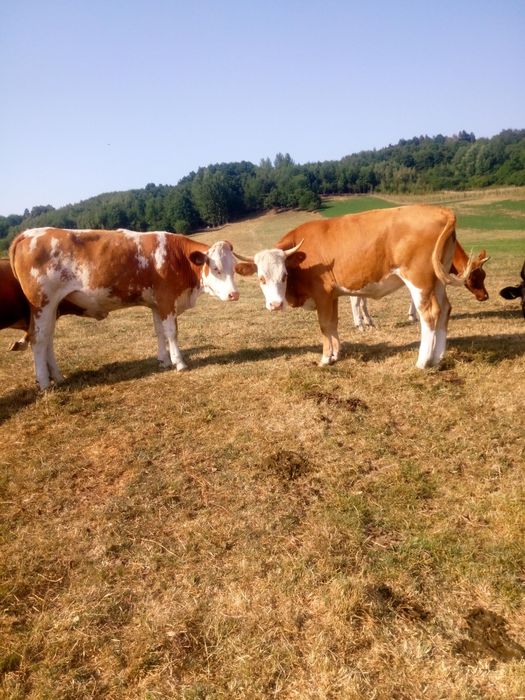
(105, 95)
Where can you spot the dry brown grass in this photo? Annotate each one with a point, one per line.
(259, 527)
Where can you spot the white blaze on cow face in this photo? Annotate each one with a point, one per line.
(272, 274)
(217, 273)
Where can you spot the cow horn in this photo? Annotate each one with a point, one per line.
(243, 258)
(482, 262)
(290, 251)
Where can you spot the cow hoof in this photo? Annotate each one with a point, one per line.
(165, 364)
(327, 361)
(181, 367)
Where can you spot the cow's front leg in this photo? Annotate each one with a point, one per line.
(163, 354)
(169, 325)
(327, 313)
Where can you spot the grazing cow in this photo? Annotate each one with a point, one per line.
(15, 311)
(516, 291)
(474, 282)
(369, 254)
(100, 271)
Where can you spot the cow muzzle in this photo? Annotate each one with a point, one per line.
(275, 306)
(233, 296)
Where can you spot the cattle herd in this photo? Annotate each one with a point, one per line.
(51, 272)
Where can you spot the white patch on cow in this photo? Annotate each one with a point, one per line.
(136, 237)
(160, 251)
(34, 234)
(35, 273)
(219, 280)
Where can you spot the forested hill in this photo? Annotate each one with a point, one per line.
(226, 192)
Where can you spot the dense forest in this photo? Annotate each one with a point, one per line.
(225, 192)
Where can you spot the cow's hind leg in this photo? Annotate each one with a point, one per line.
(426, 305)
(442, 323)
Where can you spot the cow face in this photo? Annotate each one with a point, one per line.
(475, 282)
(272, 270)
(218, 267)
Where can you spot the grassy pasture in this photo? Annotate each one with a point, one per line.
(259, 527)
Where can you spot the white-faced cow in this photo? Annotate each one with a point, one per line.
(474, 282)
(370, 254)
(15, 311)
(100, 271)
(517, 291)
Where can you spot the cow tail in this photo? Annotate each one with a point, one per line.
(12, 249)
(437, 255)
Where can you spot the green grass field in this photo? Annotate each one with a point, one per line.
(261, 527)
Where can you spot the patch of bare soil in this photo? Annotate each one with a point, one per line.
(487, 637)
(286, 464)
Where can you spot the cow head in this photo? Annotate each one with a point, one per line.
(218, 267)
(475, 281)
(272, 269)
(517, 291)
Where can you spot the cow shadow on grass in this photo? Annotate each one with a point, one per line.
(489, 349)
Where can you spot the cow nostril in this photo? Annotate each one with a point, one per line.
(234, 296)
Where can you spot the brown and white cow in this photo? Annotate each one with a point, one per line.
(15, 311)
(100, 271)
(517, 291)
(371, 255)
(474, 282)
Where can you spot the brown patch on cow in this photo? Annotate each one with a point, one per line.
(286, 464)
(487, 637)
(351, 404)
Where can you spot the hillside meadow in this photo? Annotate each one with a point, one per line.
(261, 527)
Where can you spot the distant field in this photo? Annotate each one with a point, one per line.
(260, 527)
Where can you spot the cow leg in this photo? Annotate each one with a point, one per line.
(327, 313)
(169, 325)
(162, 353)
(41, 332)
(412, 312)
(360, 313)
(423, 303)
(442, 323)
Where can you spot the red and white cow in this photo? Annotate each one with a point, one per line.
(371, 255)
(474, 282)
(100, 271)
(15, 311)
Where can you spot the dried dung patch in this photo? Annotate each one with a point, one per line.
(487, 637)
(384, 600)
(351, 404)
(288, 465)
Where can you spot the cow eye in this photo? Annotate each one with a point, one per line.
(262, 279)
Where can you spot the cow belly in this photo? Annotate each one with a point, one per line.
(375, 290)
(97, 303)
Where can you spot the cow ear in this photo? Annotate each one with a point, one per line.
(198, 258)
(246, 268)
(295, 259)
(510, 292)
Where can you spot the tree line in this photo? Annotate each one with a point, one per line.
(225, 192)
